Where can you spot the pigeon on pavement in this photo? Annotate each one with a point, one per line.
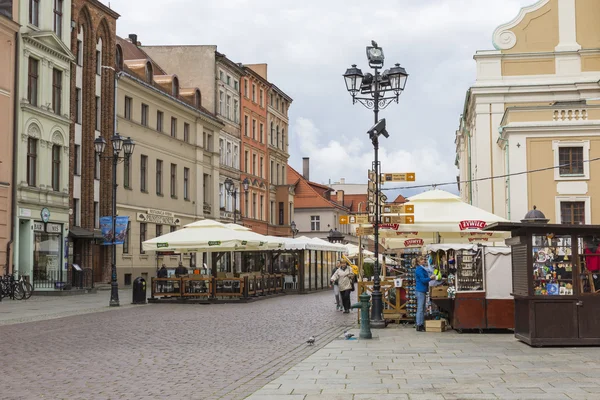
(348, 335)
(311, 341)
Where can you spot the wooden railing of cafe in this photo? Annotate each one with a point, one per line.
(207, 287)
(393, 309)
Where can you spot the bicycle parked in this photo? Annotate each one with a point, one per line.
(16, 289)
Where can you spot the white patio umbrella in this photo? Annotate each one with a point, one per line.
(206, 235)
(272, 242)
(444, 216)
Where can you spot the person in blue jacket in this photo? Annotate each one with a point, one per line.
(422, 277)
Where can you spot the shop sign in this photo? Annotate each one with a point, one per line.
(476, 234)
(471, 240)
(162, 245)
(471, 224)
(38, 226)
(53, 228)
(45, 214)
(389, 226)
(158, 217)
(214, 243)
(413, 242)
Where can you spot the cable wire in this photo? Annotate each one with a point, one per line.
(434, 185)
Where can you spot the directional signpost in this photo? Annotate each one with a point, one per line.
(398, 219)
(365, 231)
(399, 209)
(398, 177)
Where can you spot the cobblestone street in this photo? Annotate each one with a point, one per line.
(159, 351)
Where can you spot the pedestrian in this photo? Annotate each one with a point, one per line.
(162, 273)
(336, 291)
(181, 271)
(345, 279)
(422, 279)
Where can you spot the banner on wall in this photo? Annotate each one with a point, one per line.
(107, 230)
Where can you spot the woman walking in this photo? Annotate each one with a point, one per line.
(345, 280)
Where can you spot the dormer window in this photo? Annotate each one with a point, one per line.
(175, 90)
(197, 98)
(149, 72)
(119, 58)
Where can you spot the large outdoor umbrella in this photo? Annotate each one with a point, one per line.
(205, 236)
(442, 216)
(272, 242)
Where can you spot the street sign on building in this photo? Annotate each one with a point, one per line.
(398, 177)
(365, 231)
(398, 219)
(399, 209)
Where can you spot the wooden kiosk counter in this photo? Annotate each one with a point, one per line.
(556, 282)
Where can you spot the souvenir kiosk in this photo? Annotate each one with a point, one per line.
(555, 281)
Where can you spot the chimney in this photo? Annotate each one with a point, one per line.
(133, 38)
(305, 168)
(340, 197)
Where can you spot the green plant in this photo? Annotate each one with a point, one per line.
(368, 269)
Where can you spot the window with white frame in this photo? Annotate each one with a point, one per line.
(236, 157)
(221, 103)
(222, 150)
(229, 107)
(221, 195)
(571, 159)
(315, 222)
(229, 157)
(236, 111)
(573, 210)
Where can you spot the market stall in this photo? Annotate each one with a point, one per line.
(555, 282)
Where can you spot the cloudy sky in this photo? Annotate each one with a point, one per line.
(308, 46)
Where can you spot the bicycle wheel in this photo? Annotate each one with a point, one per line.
(27, 289)
(19, 293)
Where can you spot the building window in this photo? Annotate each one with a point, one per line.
(34, 12)
(277, 137)
(246, 161)
(76, 218)
(229, 161)
(315, 223)
(261, 132)
(79, 53)
(76, 158)
(159, 121)
(158, 230)
(144, 114)
(186, 183)
(126, 239)
(571, 161)
(254, 164)
(246, 209)
(32, 82)
(221, 150)
(96, 215)
(58, 16)
(246, 88)
(228, 105)
(186, 132)
(254, 129)
(277, 175)
(282, 139)
(260, 171)
(205, 188)
(236, 157)
(272, 213)
(142, 236)
(221, 103)
(281, 213)
(173, 228)
(78, 105)
(57, 91)
(283, 174)
(159, 174)
(56, 168)
(174, 127)
(260, 97)
(127, 112)
(127, 172)
(228, 80)
(236, 85)
(98, 118)
(98, 62)
(262, 206)
(174, 181)
(245, 125)
(32, 161)
(143, 173)
(277, 103)
(254, 211)
(221, 195)
(221, 76)
(236, 111)
(572, 212)
(272, 132)
(272, 173)
(254, 93)
(97, 166)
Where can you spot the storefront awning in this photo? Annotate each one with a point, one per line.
(81, 233)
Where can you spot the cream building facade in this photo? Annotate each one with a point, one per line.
(172, 178)
(43, 123)
(533, 108)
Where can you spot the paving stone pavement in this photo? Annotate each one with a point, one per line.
(400, 363)
(161, 351)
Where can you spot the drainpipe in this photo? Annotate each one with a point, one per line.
(507, 162)
(15, 151)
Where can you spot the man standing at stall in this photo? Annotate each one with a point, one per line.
(422, 287)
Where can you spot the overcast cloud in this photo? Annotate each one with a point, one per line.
(308, 46)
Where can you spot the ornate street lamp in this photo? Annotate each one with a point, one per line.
(127, 146)
(376, 91)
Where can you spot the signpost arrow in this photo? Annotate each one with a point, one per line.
(398, 219)
(398, 177)
(399, 209)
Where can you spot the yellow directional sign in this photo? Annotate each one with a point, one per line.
(343, 220)
(365, 231)
(398, 219)
(359, 219)
(399, 209)
(398, 177)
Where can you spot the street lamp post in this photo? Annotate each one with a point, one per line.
(294, 229)
(118, 144)
(233, 191)
(376, 91)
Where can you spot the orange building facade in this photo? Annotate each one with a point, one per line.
(254, 164)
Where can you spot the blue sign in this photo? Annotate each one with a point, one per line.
(107, 230)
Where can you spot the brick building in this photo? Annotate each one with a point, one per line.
(93, 43)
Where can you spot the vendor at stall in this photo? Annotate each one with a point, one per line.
(422, 278)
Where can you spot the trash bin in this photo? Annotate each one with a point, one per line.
(139, 291)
